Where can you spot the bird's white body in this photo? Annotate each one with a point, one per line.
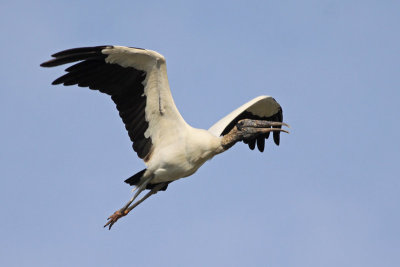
(183, 154)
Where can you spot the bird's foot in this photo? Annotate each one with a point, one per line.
(115, 217)
(128, 207)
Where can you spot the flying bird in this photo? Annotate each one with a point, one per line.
(136, 79)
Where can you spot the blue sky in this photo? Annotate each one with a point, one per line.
(327, 196)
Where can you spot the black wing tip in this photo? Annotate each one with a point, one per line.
(277, 138)
(50, 63)
(58, 81)
(73, 54)
(83, 49)
(252, 144)
(261, 143)
(45, 64)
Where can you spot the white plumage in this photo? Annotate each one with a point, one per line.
(136, 79)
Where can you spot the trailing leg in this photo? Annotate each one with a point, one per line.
(128, 207)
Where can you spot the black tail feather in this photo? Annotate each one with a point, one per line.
(135, 180)
(151, 186)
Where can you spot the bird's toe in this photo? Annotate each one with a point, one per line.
(114, 218)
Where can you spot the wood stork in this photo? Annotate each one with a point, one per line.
(136, 79)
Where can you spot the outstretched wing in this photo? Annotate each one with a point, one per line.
(260, 108)
(136, 79)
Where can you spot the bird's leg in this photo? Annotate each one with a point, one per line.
(139, 189)
(153, 191)
(247, 129)
(118, 214)
(124, 210)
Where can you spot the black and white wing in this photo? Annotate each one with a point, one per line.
(136, 79)
(260, 108)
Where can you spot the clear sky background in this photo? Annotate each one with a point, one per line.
(327, 196)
